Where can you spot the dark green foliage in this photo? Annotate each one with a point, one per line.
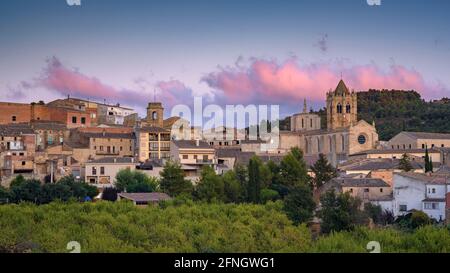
(66, 188)
(394, 111)
(135, 181)
(109, 194)
(293, 170)
(323, 171)
(299, 204)
(254, 180)
(405, 163)
(233, 189)
(413, 220)
(269, 195)
(22, 190)
(340, 212)
(375, 212)
(210, 187)
(428, 162)
(172, 180)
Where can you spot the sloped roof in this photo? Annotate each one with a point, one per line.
(361, 182)
(377, 164)
(119, 160)
(191, 144)
(426, 178)
(15, 129)
(341, 89)
(145, 196)
(109, 135)
(425, 135)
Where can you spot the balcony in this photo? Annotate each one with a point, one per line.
(205, 161)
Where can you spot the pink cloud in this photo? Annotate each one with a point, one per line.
(57, 77)
(267, 81)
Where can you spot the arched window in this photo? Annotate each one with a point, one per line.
(303, 124)
(154, 115)
(339, 108)
(347, 108)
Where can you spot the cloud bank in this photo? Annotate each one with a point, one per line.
(268, 81)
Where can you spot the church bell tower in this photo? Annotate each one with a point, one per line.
(342, 107)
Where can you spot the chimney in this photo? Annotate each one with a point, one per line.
(197, 142)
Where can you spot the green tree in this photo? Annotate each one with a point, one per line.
(109, 194)
(254, 180)
(172, 180)
(135, 181)
(4, 195)
(340, 212)
(405, 163)
(210, 187)
(299, 204)
(79, 190)
(269, 195)
(25, 190)
(375, 212)
(428, 162)
(233, 189)
(293, 169)
(56, 191)
(323, 171)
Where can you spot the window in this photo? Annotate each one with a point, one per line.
(83, 120)
(121, 148)
(403, 208)
(339, 108)
(366, 190)
(361, 139)
(154, 115)
(410, 146)
(432, 145)
(423, 146)
(303, 124)
(195, 157)
(442, 145)
(310, 123)
(94, 170)
(74, 120)
(205, 158)
(102, 170)
(433, 190)
(381, 189)
(21, 154)
(23, 163)
(347, 108)
(431, 205)
(101, 148)
(14, 118)
(185, 156)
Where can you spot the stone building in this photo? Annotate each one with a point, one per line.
(344, 135)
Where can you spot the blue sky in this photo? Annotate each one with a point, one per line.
(186, 47)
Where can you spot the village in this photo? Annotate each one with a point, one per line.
(93, 142)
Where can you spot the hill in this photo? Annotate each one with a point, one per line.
(396, 110)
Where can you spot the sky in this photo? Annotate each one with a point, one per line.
(260, 52)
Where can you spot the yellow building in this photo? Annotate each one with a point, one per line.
(152, 143)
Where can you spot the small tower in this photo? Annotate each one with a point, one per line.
(305, 107)
(155, 114)
(341, 107)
